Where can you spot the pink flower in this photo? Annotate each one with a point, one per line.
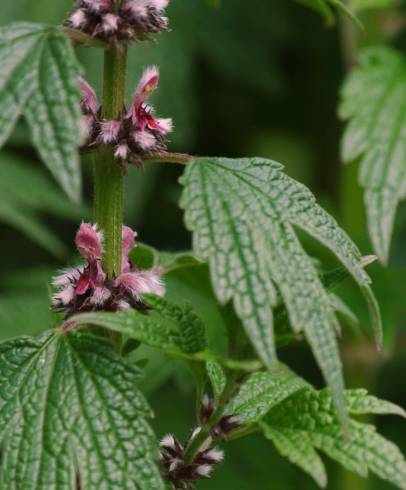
(144, 139)
(89, 242)
(109, 131)
(137, 132)
(141, 282)
(121, 152)
(78, 19)
(89, 102)
(87, 288)
(133, 20)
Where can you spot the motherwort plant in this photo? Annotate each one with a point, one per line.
(71, 413)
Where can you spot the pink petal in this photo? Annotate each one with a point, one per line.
(128, 237)
(67, 277)
(98, 5)
(141, 282)
(89, 101)
(86, 126)
(100, 296)
(138, 8)
(65, 296)
(78, 19)
(148, 83)
(109, 131)
(121, 151)
(128, 243)
(123, 305)
(159, 4)
(89, 242)
(144, 139)
(165, 125)
(110, 22)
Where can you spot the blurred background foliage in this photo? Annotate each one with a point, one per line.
(240, 78)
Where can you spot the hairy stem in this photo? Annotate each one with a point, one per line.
(108, 201)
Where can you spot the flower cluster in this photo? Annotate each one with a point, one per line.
(132, 20)
(133, 135)
(87, 288)
(181, 474)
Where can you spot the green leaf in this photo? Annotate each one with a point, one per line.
(69, 408)
(39, 80)
(168, 326)
(264, 390)
(217, 377)
(243, 214)
(307, 421)
(298, 448)
(324, 8)
(374, 103)
(359, 403)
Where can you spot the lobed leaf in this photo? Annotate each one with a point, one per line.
(243, 214)
(307, 421)
(38, 79)
(168, 326)
(70, 412)
(374, 104)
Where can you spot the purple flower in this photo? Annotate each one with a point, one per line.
(137, 132)
(134, 20)
(87, 288)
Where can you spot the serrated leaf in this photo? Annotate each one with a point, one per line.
(343, 309)
(39, 79)
(374, 103)
(262, 391)
(359, 403)
(243, 214)
(309, 417)
(298, 448)
(69, 411)
(168, 326)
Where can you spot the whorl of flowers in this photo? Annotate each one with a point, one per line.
(182, 471)
(132, 20)
(133, 135)
(182, 474)
(87, 288)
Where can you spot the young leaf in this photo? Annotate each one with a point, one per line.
(168, 326)
(39, 79)
(70, 412)
(217, 377)
(264, 390)
(243, 213)
(307, 421)
(374, 103)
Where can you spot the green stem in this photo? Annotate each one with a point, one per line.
(108, 199)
